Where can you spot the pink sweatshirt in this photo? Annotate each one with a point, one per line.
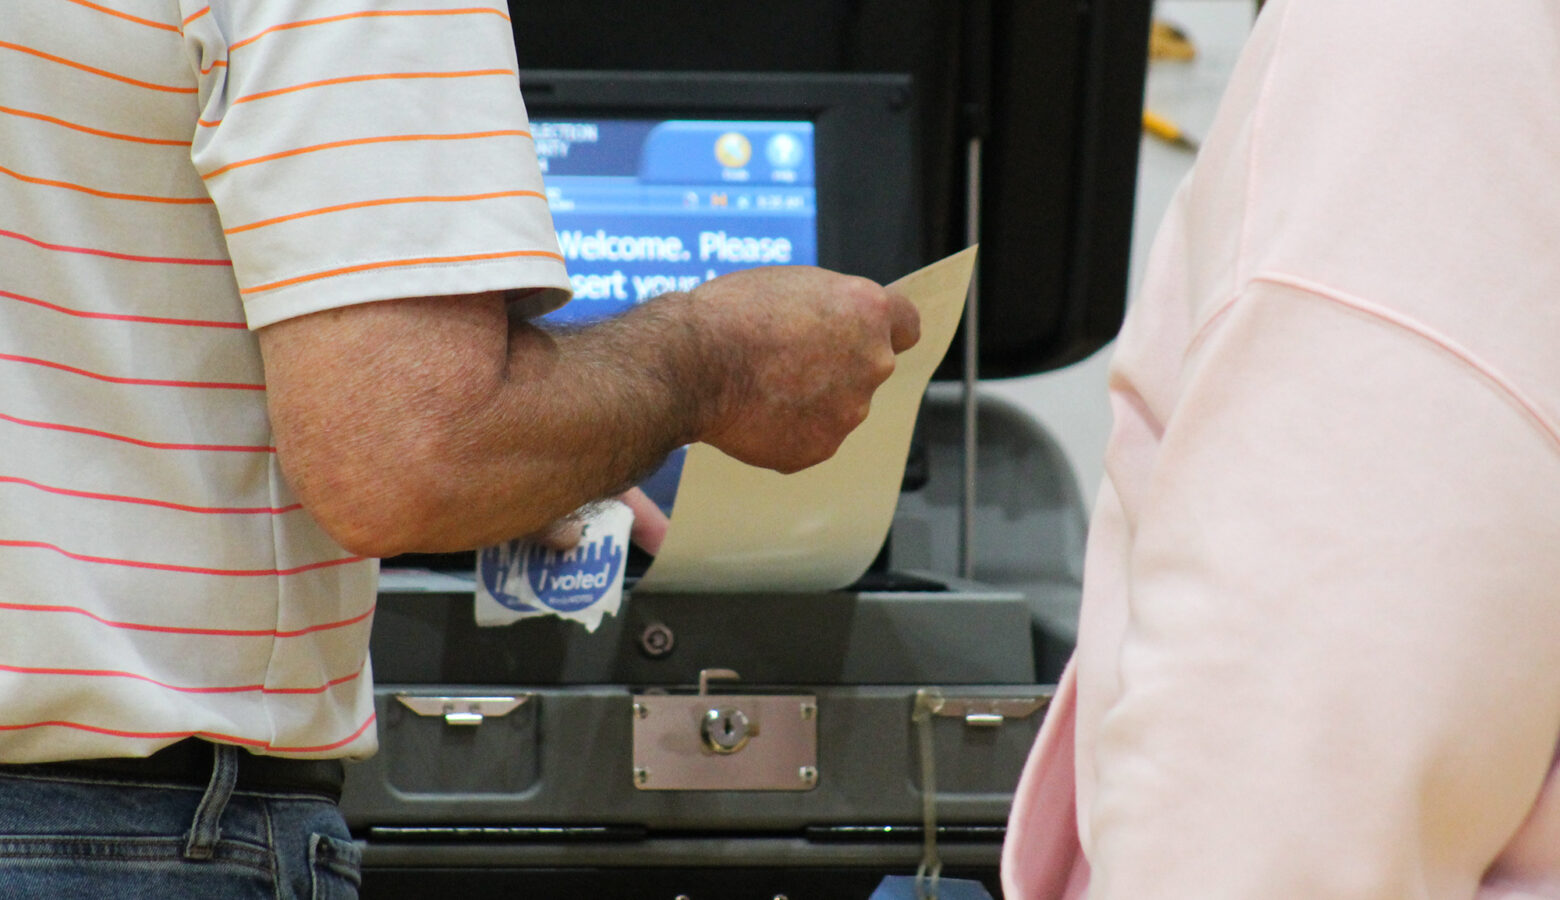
(1319, 654)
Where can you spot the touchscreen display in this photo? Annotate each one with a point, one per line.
(643, 207)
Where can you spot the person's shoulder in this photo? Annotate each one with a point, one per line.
(1343, 66)
(1368, 136)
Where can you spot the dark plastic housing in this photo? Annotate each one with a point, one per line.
(1053, 90)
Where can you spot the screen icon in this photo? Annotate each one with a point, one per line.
(784, 151)
(733, 150)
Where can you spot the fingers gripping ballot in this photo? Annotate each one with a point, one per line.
(808, 347)
(904, 324)
(649, 529)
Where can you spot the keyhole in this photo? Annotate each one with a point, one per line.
(726, 730)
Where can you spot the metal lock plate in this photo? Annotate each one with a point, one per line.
(725, 742)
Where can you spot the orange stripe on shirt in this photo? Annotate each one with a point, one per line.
(358, 142)
(205, 10)
(116, 379)
(162, 26)
(305, 23)
(388, 201)
(110, 195)
(352, 79)
(104, 73)
(8, 111)
(426, 261)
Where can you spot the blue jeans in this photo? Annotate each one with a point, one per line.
(113, 838)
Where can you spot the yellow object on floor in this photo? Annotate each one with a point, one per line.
(1166, 130)
(1167, 42)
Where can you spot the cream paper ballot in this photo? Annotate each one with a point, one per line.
(735, 527)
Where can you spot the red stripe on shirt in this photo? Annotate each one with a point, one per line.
(321, 748)
(146, 501)
(183, 630)
(334, 682)
(183, 570)
(119, 317)
(207, 735)
(147, 735)
(234, 689)
(143, 382)
(154, 445)
(107, 195)
(328, 626)
(128, 257)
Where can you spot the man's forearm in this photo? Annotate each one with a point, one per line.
(511, 427)
(581, 414)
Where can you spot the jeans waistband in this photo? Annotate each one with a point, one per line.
(189, 762)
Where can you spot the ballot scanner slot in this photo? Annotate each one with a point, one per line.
(971, 635)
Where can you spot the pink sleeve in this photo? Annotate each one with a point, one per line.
(1340, 669)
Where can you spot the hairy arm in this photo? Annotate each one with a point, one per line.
(440, 423)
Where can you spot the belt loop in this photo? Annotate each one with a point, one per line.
(205, 829)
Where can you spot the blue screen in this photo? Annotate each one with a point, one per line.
(643, 207)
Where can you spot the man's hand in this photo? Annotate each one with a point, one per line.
(813, 347)
(648, 531)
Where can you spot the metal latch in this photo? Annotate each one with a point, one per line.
(985, 712)
(463, 710)
(725, 742)
(977, 712)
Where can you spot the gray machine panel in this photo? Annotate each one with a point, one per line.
(565, 757)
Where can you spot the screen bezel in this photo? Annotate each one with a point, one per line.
(867, 184)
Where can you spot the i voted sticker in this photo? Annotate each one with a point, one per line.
(522, 579)
(572, 581)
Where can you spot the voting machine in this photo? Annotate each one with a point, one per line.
(785, 743)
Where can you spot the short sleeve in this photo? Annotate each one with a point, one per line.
(368, 151)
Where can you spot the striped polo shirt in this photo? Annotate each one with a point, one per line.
(174, 175)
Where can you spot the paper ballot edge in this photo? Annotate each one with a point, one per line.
(710, 546)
